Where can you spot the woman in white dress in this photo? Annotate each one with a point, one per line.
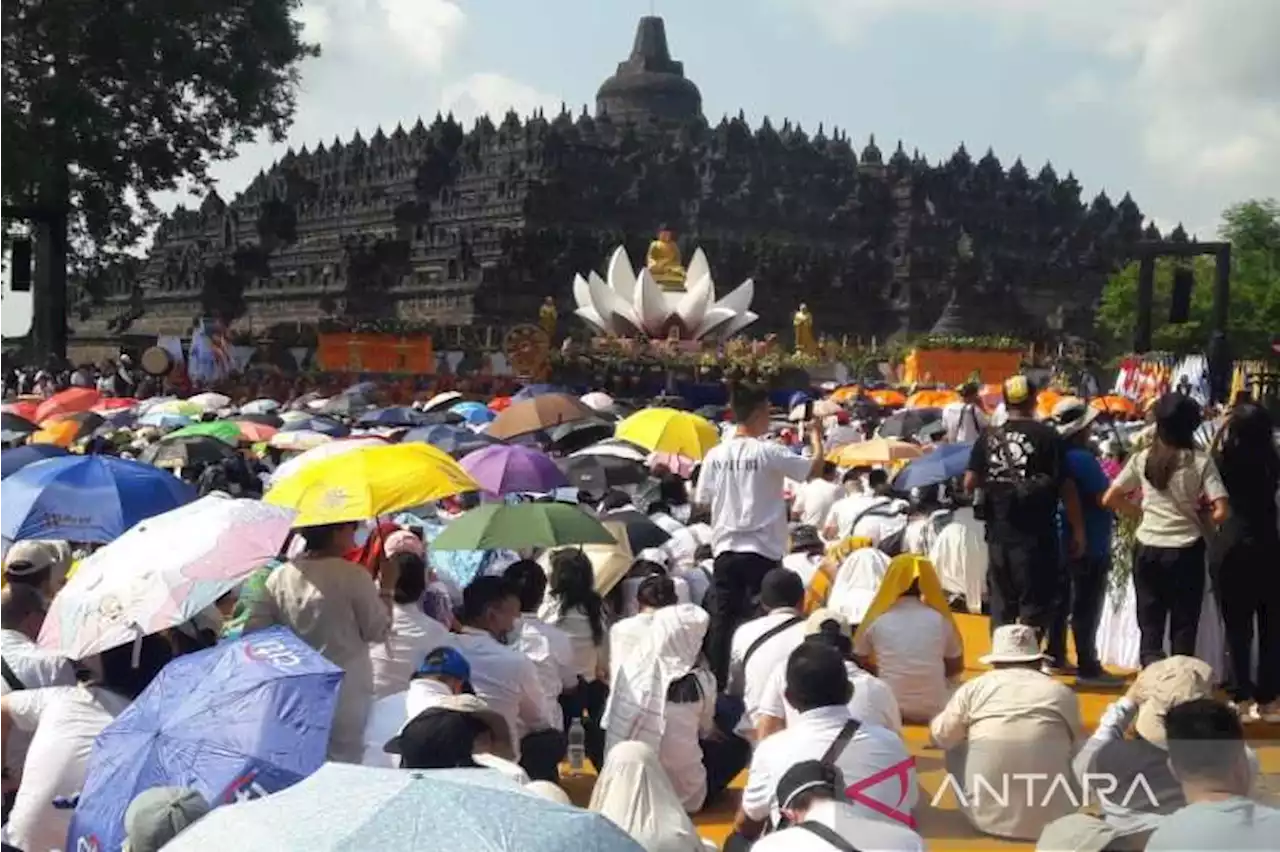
(634, 792)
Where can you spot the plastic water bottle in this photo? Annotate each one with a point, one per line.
(577, 746)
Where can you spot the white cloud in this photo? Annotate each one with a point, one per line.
(424, 30)
(493, 94)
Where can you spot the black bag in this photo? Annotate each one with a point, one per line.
(767, 635)
(1019, 497)
(828, 834)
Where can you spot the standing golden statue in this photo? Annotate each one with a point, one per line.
(803, 324)
(547, 317)
(663, 261)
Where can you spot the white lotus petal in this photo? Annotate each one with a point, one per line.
(620, 306)
(581, 292)
(694, 303)
(650, 306)
(606, 303)
(590, 315)
(622, 276)
(699, 267)
(713, 319)
(738, 324)
(739, 301)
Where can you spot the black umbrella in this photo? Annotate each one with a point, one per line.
(457, 441)
(187, 450)
(349, 405)
(10, 422)
(642, 532)
(908, 422)
(597, 474)
(578, 435)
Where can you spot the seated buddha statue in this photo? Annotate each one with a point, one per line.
(663, 261)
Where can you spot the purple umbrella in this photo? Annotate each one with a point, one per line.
(504, 469)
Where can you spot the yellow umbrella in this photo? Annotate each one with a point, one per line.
(878, 451)
(369, 482)
(666, 430)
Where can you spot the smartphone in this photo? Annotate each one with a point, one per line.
(808, 410)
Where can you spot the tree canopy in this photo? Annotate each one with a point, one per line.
(106, 103)
(1253, 229)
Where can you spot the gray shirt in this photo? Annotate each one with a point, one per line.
(1229, 825)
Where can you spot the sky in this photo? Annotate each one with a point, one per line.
(1175, 101)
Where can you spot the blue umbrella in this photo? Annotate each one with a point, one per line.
(240, 720)
(945, 462)
(14, 460)
(345, 807)
(164, 420)
(530, 391)
(323, 425)
(361, 389)
(473, 412)
(398, 416)
(86, 498)
(454, 440)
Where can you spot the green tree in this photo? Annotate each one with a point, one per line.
(1253, 229)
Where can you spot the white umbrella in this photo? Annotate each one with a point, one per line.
(297, 440)
(162, 572)
(320, 452)
(598, 401)
(210, 401)
(260, 406)
(821, 408)
(293, 416)
(441, 399)
(616, 448)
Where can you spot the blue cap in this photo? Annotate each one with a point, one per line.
(445, 661)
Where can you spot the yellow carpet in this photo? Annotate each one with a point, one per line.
(946, 828)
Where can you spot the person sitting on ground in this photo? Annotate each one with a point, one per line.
(634, 792)
(653, 560)
(872, 703)
(451, 735)
(927, 519)
(413, 632)
(815, 498)
(910, 640)
(858, 578)
(546, 645)
(158, 815)
(818, 815)
(506, 679)
(819, 689)
(1013, 722)
(763, 644)
(1208, 757)
(877, 515)
(817, 591)
(656, 590)
(959, 555)
(807, 551)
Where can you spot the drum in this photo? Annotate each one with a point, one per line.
(157, 361)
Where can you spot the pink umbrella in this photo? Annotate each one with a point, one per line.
(505, 469)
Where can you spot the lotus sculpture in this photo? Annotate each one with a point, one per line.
(631, 305)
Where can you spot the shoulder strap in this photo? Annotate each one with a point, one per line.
(828, 834)
(15, 683)
(767, 635)
(842, 739)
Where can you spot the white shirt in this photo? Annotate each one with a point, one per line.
(742, 480)
(803, 565)
(814, 500)
(872, 751)
(872, 703)
(508, 682)
(964, 421)
(749, 680)
(552, 654)
(909, 643)
(576, 626)
(869, 515)
(623, 637)
(65, 721)
(35, 668)
(865, 833)
(414, 634)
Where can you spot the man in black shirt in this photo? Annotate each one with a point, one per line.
(1018, 472)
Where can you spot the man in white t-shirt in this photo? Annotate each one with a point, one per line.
(878, 771)
(815, 498)
(876, 515)
(917, 651)
(964, 420)
(742, 481)
(763, 644)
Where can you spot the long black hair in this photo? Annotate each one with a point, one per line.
(1177, 418)
(573, 585)
(1248, 459)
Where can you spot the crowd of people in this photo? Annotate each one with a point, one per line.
(792, 616)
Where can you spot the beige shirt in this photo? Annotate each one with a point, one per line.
(1018, 729)
(1169, 517)
(333, 605)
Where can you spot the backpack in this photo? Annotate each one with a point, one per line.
(1018, 498)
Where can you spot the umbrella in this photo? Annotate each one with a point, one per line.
(536, 390)
(181, 452)
(185, 407)
(596, 474)
(260, 406)
(347, 404)
(502, 469)
(1045, 402)
(441, 399)
(908, 422)
(24, 408)
(114, 403)
(711, 412)
(397, 416)
(162, 572)
(877, 451)
(541, 412)
(473, 412)
(326, 448)
(323, 425)
(299, 440)
(609, 562)
(1115, 404)
(821, 408)
(569, 437)
(10, 422)
(454, 440)
(932, 398)
(86, 498)
(263, 418)
(666, 430)
(342, 807)
(519, 526)
(943, 463)
(499, 404)
(616, 448)
(887, 397)
(222, 430)
(68, 401)
(365, 388)
(14, 460)
(597, 401)
(66, 431)
(164, 420)
(680, 465)
(210, 401)
(369, 482)
(246, 718)
(642, 532)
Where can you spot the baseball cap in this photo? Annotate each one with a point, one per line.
(416, 737)
(31, 557)
(1018, 390)
(1163, 684)
(156, 816)
(445, 661)
(806, 777)
(820, 616)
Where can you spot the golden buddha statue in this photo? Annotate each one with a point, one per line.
(663, 261)
(803, 323)
(547, 316)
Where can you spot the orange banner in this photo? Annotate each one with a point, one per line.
(956, 366)
(376, 353)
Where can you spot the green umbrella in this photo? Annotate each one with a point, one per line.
(499, 526)
(223, 430)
